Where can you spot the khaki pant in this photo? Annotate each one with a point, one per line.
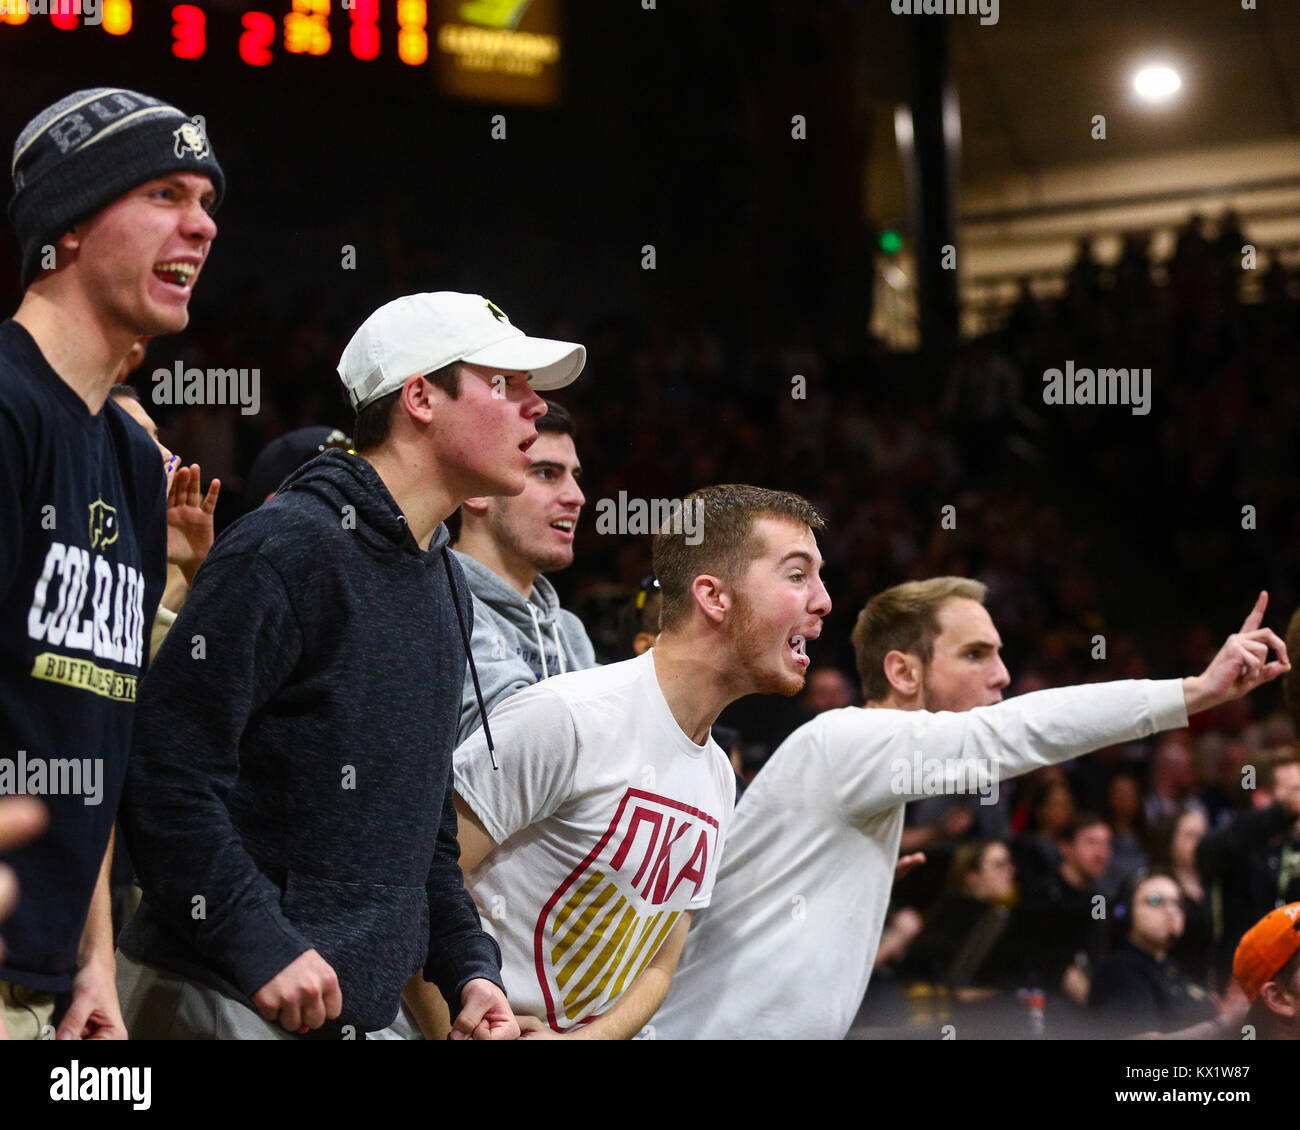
(28, 1014)
(158, 1005)
(403, 1027)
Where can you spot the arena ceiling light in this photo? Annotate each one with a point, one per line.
(1157, 83)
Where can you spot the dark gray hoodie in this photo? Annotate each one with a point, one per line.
(290, 783)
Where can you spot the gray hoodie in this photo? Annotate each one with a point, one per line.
(516, 642)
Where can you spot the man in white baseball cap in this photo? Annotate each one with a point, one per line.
(422, 333)
(335, 619)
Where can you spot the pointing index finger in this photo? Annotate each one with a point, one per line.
(1256, 616)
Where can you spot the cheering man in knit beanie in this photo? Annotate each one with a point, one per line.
(113, 194)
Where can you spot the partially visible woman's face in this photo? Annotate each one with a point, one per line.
(1188, 831)
(1125, 798)
(1158, 918)
(1056, 809)
(994, 879)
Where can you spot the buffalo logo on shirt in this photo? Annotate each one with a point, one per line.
(607, 920)
(103, 524)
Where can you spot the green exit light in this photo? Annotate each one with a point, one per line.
(890, 242)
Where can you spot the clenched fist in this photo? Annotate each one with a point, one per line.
(302, 996)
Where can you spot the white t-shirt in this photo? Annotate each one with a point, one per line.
(609, 823)
(787, 947)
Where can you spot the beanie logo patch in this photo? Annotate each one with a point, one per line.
(190, 140)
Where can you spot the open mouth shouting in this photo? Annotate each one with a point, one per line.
(178, 273)
(795, 645)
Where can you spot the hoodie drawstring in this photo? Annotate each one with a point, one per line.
(469, 654)
(541, 644)
(555, 635)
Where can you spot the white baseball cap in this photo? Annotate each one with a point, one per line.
(419, 333)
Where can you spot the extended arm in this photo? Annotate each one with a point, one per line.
(917, 753)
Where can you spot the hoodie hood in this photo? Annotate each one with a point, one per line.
(504, 599)
(516, 642)
(342, 480)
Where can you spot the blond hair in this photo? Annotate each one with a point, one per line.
(727, 514)
(904, 618)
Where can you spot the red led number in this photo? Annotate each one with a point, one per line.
(364, 39)
(255, 43)
(189, 30)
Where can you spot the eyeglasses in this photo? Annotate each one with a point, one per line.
(1155, 902)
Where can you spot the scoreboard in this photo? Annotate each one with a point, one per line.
(495, 50)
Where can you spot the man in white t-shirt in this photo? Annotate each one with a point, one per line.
(601, 833)
(786, 949)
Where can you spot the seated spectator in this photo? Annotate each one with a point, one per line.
(1223, 797)
(1054, 923)
(1128, 831)
(1174, 850)
(1051, 812)
(1173, 777)
(1267, 967)
(1252, 865)
(1136, 988)
(964, 942)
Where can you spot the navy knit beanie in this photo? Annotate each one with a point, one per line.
(82, 153)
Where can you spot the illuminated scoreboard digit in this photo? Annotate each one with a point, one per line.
(494, 50)
(363, 38)
(189, 31)
(412, 40)
(306, 28)
(256, 39)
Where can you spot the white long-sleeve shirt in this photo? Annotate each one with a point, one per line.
(786, 948)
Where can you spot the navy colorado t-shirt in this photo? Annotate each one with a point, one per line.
(82, 566)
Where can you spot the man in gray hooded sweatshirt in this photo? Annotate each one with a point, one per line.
(521, 634)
